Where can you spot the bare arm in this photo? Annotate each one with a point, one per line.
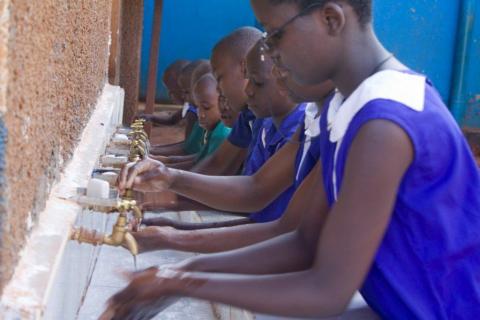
(230, 194)
(240, 193)
(173, 202)
(186, 164)
(175, 159)
(346, 244)
(224, 239)
(182, 225)
(177, 162)
(226, 160)
(168, 150)
(349, 240)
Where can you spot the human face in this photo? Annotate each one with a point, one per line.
(272, 38)
(299, 93)
(230, 79)
(303, 47)
(229, 115)
(265, 98)
(206, 99)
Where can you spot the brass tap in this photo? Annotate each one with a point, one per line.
(120, 236)
(137, 152)
(141, 143)
(138, 146)
(138, 134)
(139, 121)
(138, 127)
(130, 205)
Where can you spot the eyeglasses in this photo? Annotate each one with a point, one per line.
(272, 38)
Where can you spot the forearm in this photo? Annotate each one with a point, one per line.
(168, 150)
(301, 294)
(214, 166)
(183, 158)
(224, 193)
(218, 239)
(285, 253)
(182, 165)
(180, 204)
(181, 225)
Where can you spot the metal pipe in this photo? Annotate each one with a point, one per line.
(458, 100)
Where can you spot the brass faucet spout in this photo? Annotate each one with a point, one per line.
(130, 243)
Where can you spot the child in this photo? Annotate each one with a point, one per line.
(395, 215)
(228, 61)
(193, 132)
(281, 119)
(206, 98)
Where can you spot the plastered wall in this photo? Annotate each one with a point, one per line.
(53, 66)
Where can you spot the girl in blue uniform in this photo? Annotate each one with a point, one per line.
(396, 214)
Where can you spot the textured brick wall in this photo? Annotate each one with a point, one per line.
(131, 38)
(56, 64)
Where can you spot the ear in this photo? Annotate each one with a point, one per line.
(333, 17)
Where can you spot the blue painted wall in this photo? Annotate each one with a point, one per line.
(190, 28)
(422, 33)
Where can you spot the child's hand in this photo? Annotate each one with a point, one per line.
(153, 238)
(148, 293)
(147, 175)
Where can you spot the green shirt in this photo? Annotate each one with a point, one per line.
(213, 139)
(194, 142)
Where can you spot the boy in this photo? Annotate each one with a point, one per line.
(281, 119)
(206, 98)
(228, 63)
(193, 132)
(401, 214)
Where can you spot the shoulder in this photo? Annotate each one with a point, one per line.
(383, 143)
(220, 131)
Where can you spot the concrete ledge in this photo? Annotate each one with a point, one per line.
(27, 293)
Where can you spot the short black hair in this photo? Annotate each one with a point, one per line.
(177, 66)
(188, 70)
(207, 78)
(237, 44)
(363, 8)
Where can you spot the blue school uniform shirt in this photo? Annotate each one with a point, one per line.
(428, 263)
(269, 140)
(242, 132)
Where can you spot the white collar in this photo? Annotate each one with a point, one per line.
(311, 122)
(405, 88)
